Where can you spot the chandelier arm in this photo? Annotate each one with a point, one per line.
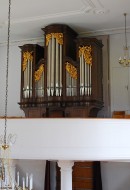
(7, 73)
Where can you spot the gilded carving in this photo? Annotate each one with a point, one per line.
(86, 51)
(58, 36)
(39, 72)
(48, 37)
(27, 56)
(71, 70)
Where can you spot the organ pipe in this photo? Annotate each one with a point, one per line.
(27, 74)
(85, 70)
(54, 44)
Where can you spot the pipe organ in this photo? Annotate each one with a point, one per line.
(64, 75)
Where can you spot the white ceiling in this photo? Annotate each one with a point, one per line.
(84, 16)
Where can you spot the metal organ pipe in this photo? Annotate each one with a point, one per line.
(86, 81)
(48, 68)
(52, 65)
(43, 84)
(90, 87)
(57, 70)
(60, 69)
(82, 74)
(39, 79)
(28, 79)
(72, 86)
(25, 83)
(30, 70)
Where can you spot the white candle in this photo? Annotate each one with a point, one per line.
(13, 186)
(18, 178)
(26, 179)
(31, 182)
(23, 183)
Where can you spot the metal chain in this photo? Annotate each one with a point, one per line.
(125, 31)
(7, 73)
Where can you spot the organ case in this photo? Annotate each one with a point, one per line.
(65, 74)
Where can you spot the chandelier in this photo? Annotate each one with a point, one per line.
(7, 172)
(125, 61)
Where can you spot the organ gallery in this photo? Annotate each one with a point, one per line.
(63, 78)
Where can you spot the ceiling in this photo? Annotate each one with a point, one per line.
(84, 16)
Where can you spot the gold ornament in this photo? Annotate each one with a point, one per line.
(86, 51)
(58, 36)
(71, 70)
(27, 56)
(39, 72)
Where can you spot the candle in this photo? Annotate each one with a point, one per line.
(31, 182)
(18, 178)
(13, 186)
(23, 183)
(26, 179)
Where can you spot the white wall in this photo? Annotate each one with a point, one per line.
(119, 76)
(14, 81)
(116, 175)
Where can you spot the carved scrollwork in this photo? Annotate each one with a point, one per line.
(27, 56)
(58, 36)
(71, 70)
(39, 72)
(86, 51)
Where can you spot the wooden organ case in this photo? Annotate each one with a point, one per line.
(63, 79)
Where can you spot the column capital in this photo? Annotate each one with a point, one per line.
(65, 164)
(66, 174)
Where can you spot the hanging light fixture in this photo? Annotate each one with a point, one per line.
(7, 173)
(125, 61)
(6, 140)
